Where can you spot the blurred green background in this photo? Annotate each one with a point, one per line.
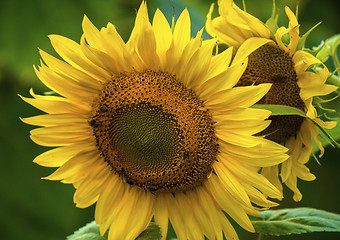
(34, 209)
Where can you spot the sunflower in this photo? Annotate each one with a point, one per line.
(152, 129)
(283, 63)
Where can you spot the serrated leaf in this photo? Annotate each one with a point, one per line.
(296, 221)
(88, 232)
(91, 232)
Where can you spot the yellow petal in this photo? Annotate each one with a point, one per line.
(257, 197)
(65, 86)
(71, 52)
(115, 47)
(55, 119)
(223, 81)
(185, 207)
(201, 216)
(229, 205)
(253, 178)
(236, 139)
(163, 35)
(77, 167)
(175, 216)
(221, 29)
(101, 59)
(88, 191)
(146, 47)
(58, 156)
(246, 127)
(240, 114)
(292, 185)
(92, 34)
(258, 160)
(112, 194)
(249, 46)
(320, 91)
(182, 32)
(55, 105)
(65, 69)
(209, 206)
(228, 229)
(237, 97)
(231, 184)
(294, 31)
(197, 67)
(141, 18)
(120, 222)
(229, 9)
(142, 214)
(115, 206)
(161, 214)
(220, 63)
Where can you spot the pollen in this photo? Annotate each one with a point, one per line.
(154, 132)
(270, 64)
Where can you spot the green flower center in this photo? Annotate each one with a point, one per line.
(145, 138)
(270, 64)
(154, 132)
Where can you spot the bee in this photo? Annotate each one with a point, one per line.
(181, 162)
(126, 179)
(151, 188)
(93, 123)
(103, 109)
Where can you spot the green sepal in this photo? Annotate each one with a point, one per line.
(315, 50)
(302, 39)
(319, 100)
(333, 79)
(326, 109)
(91, 232)
(295, 221)
(271, 23)
(286, 110)
(316, 158)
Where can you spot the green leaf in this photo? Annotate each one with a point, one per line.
(296, 221)
(286, 110)
(91, 232)
(88, 232)
(329, 48)
(152, 232)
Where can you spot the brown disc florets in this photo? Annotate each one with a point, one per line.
(270, 64)
(154, 132)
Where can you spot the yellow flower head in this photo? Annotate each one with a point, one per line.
(153, 128)
(282, 63)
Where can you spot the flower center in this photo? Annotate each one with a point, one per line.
(270, 64)
(154, 132)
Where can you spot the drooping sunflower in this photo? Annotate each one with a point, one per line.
(152, 129)
(283, 63)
